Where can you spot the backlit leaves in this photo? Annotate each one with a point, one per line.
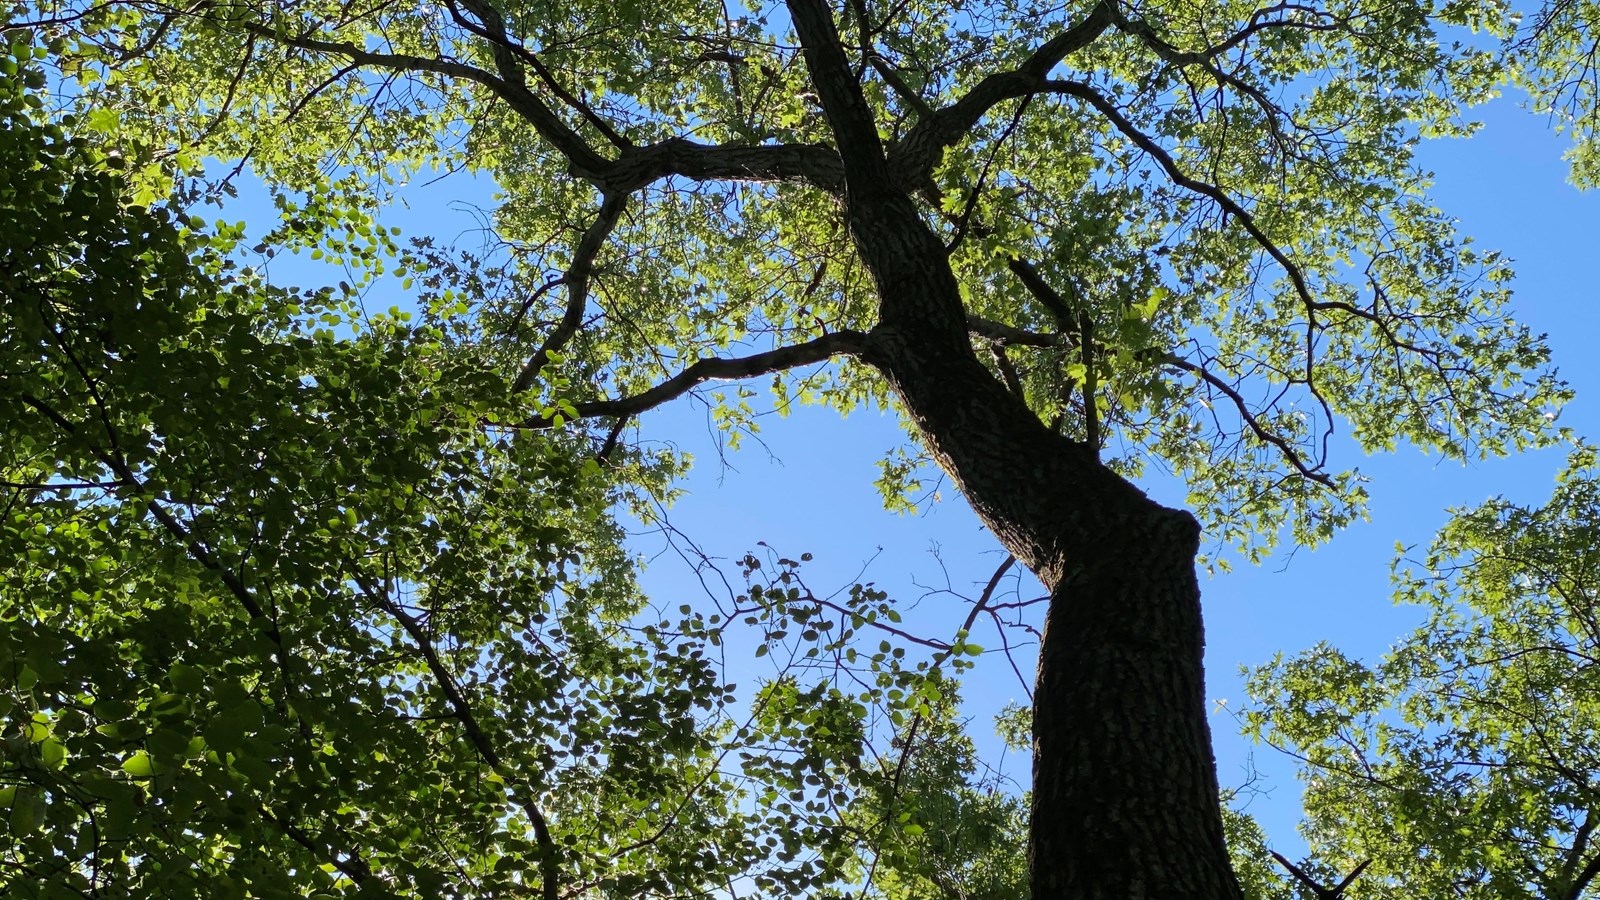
(1461, 762)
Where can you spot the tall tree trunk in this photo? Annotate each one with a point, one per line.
(1125, 788)
(1125, 791)
(1125, 798)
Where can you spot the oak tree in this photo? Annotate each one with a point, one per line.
(363, 570)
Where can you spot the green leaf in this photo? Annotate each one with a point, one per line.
(139, 765)
(186, 679)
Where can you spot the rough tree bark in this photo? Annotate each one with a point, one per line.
(1125, 792)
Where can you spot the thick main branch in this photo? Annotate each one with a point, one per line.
(839, 343)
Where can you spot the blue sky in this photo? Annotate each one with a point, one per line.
(807, 485)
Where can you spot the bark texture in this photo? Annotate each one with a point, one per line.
(1125, 790)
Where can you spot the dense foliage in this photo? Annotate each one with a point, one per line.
(323, 591)
(1463, 763)
(288, 614)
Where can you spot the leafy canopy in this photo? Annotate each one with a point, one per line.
(1461, 764)
(289, 616)
(1207, 220)
(311, 598)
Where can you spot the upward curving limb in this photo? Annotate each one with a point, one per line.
(577, 281)
(508, 53)
(1170, 166)
(1291, 15)
(915, 156)
(586, 162)
(1301, 16)
(633, 167)
(519, 77)
(1297, 278)
(1233, 207)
